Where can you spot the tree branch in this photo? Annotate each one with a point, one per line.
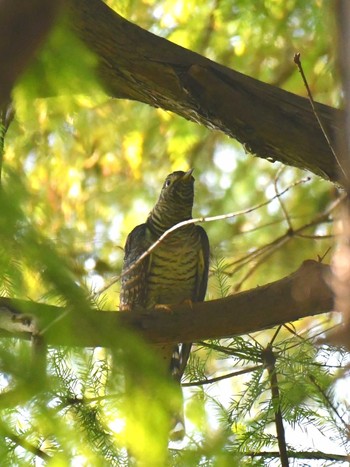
(272, 123)
(303, 293)
(23, 26)
(21, 441)
(300, 455)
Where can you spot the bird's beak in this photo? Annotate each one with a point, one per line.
(187, 176)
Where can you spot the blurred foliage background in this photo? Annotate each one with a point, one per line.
(80, 170)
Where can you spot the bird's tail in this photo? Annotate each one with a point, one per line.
(178, 363)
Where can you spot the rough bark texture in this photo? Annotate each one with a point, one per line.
(341, 255)
(303, 293)
(272, 123)
(24, 26)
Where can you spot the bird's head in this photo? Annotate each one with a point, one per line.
(178, 188)
(175, 200)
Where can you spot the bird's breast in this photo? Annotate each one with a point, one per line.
(173, 271)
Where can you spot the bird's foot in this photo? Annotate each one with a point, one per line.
(188, 303)
(163, 308)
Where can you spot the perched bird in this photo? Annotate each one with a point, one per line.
(176, 270)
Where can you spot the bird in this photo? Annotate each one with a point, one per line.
(174, 272)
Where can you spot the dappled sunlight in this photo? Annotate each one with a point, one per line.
(81, 169)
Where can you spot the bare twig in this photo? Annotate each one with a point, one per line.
(310, 338)
(300, 455)
(261, 260)
(274, 337)
(284, 210)
(268, 249)
(265, 249)
(218, 348)
(220, 378)
(313, 379)
(328, 401)
(316, 237)
(277, 242)
(21, 441)
(297, 61)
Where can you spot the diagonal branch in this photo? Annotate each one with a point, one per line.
(300, 455)
(303, 293)
(272, 123)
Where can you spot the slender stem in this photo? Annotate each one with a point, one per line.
(21, 441)
(328, 401)
(297, 61)
(270, 361)
(220, 378)
(301, 455)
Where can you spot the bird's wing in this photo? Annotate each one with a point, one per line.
(134, 283)
(199, 292)
(203, 266)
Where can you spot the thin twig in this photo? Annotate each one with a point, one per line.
(300, 455)
(321, 258)
(328, 400)
(220, 378)
(261, 260)
(71, 401)
(284, 210)
(274, 337)
(241, 262)
(312, 378)
(310, 338)
(321, 217)
(315, 237)
(297, 61)
(267, 250)
(258, 227)
(218, 348)
(20, 441)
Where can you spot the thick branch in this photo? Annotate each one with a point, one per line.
(23, 26)
(303, 293)
(272, 123)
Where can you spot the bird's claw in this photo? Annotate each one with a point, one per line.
(188, 302)
(163, 308)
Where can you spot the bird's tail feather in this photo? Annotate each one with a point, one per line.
(177, 365)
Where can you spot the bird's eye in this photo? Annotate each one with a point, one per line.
(168, 183)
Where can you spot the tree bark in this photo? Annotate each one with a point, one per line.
(272, 123)
(24, 26)
(303, 293)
